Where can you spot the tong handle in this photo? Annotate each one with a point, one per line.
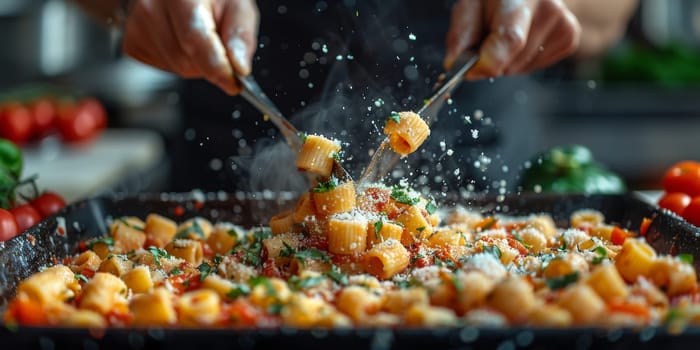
(254, 94)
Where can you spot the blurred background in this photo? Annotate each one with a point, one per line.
(339, 68)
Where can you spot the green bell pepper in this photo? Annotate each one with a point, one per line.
(569, 169)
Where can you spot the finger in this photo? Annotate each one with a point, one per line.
(239, 31)
(151, 18)
(195, 30)
(465, 29)
(561, 43)
(507, 37)
(137, 47)
(547, 16)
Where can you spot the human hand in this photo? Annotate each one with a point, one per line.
(519, 36)
(208, 39)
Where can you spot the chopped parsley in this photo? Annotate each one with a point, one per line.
(157, 254)
(237, 291)
(127, 224)
(108, 241)
(194, 228)
(416, 258)
(562, 281)
(251, 253)
(401, 195)
(303, 136)
(337, 156)
(395, 117)
(311, 254)
(327, 186)
(262, 280)
(275, 309)
(232, 232)
(520, 239)
(288, 251)
(408, 283)
(337, 276)
(447, 262)
(205, 270)
(420, 229)
(493, 250)
(430, 207)
(601, 253)
(297, 283)
(81, 277)
(378, 227)
(686, 258)
(175, 271)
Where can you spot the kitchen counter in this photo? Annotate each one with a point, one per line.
(80, 171)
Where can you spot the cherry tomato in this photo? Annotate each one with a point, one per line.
(43, 115)
(692, 212)
(82, 121)
(26, 216)
(683, 177)
(8, 225)
(16, 123)
(675, 202)
(48, 204)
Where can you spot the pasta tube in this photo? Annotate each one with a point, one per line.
(406, 131)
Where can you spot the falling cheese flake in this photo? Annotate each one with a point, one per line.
(324, 48)
(411, 36)
(379, 102)
(339, 58)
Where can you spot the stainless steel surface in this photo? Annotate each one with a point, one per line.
(384, 158)
(254, 94)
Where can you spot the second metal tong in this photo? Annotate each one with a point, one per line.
(384, 158)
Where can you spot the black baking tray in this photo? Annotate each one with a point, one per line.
(59, 236)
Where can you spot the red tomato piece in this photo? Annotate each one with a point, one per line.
(25, 216)
(48, 203)
(683, 177)
(618, 236)
(692, 212)
(675, 202)
(82, 121)
(16, 123)
(8, 225)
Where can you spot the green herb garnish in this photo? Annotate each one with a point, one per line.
(81, 277)
(262, 280)
(303, 136)
(337, 276)
(109, 241)
(205, 270)
(288, 250)
(297, 283)
(157, 254)
(237, 291)
(401, 195)
(327, 186)
(311, 254)
(430, 207)
(175, 271)
(686, 258)
(601, 253)
(127, 224)
(378, 227)
(395, 117)
(493, 250)
(562, 281)
(416, 258)
(194, 228)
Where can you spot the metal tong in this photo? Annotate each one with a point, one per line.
(254, 94)
(384, 158)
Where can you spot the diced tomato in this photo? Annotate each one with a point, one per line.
(319, 242)
(27, 312)
(644, 227)
(618, 235)
(184, 283)
(242, 313)
(207, 252)
(270, 269)
(637, 310)
(515, 244)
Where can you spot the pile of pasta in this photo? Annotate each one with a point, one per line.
(377, 256)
